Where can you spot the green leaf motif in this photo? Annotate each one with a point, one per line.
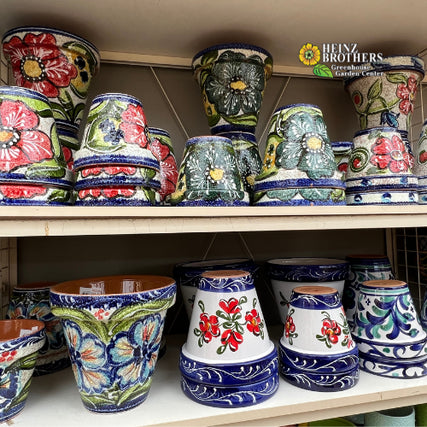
(243, 119)
(375, 90)
(48, 168)
(322, 70)
(314, 194)
(396, 78)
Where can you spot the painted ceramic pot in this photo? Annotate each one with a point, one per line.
(116, 132)
(388, 332)
(288, 273)
(20, 342)
(188, 275)
(208, 175)
(232, 78)
(299, 166)
(363, 267)
(57, 64)
(31, 301)
(394, 417)
(125, 195)
(385, 92)
(30, 149)
(161, 147)
(113, 326)
(342, 150)
(228, 359)
(317, 351)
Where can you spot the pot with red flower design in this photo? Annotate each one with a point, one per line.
(384, 94)
(57, 64)
(380, 169)
(16, 194)
(228, 359)
(342, 150)
(20, 342)
(317, 351)
(113, 326)
(161, 147)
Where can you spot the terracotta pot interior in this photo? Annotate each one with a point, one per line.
(315, 290)
(384, 283)
(12, 329)
(36, 285)
(111, 285)
(220, 274)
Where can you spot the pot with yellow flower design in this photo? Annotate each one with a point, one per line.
(299, 167)
(59, 65)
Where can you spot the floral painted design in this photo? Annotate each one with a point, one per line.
(134, 126)
(9, 385)
(309, 54)
(108, 193)
(21, 143)
(209, 328)
(109, 170)
(407, 92)
(254, 322)
(290, 327)
(22, 192)
(333, 331)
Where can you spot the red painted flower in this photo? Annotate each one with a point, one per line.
(7, 356)
(423, 157)
(232, 338)
(91, 171)
(209, 327)
(231, 306)
(134, 126)
(253, 322)
(68, 156)
(38, 63)
(407, 95)
(108, 193)
(289, 326)
(21, 191)
(101, 314)
(331, 330)
(342, 167)
(391, 154)
(20, 142)
(109, 170)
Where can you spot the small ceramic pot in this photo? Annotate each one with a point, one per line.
(116, 132)
(363, 267)
(384, 93)
(161, 147)
(232, 78)
(113, 326)
(299, 165)
(30, 149)
(188, 275)
(317, 351)
(342, 150)
(31, 301)
(288, 273)
(57, 64)
(20, 342)
(395, 417)
(228, 359)
(208, 175)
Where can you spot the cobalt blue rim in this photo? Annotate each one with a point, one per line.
(363, 261)
(326, 301)
(372, 289)
(118, 181)
(24, 92)
(223, 46)
(369, 178)
(118, 160)
(285, 107)
(299, 183)
(240, 282)
(22, 179)
(212, 203)
(216, 130)
(158, 131)
(208, 139)
(301, 202)
(375, 188)
(237, 134)
(118, 201)
(29, 202)
(123, 97)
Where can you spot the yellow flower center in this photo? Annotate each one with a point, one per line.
(32, 68)
(238, 85)
(254, 322)
(314, 143)
(216, 174)
(396, 155)
(5, 135)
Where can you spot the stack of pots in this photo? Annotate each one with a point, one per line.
(381, 164)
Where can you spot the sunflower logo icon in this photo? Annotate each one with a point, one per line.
(309, 54)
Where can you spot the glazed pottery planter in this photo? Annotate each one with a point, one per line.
(299, 165)
(288, 273)
(394, 417)
(20, 342)
(188, 274)
(31, 301)
(363, 267)
(384, 94)
(228, 359)
(161, 147)
(317, 351)
(31, 153)
(388, 332)
(232, 79)
(57, 64)
(208, 175)
(113, 326)
(116, 132)
(16, 194)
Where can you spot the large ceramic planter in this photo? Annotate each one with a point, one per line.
(228, 359)
(384, 93)
(31, 301)
(57, 64)
(113, 326)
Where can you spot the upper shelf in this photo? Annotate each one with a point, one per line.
(73, 221)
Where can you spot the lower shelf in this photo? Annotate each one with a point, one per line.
(54, 400)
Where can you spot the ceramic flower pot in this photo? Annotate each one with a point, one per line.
(208, 175)
(116, 132)
(31, 301)
(288, 273)
(388, 332)
(380, 169)
(316, 350)
(232, 79)
(228, 359)
(20, 342)
(188, 275)
(384, 94)
(394, 417)
(299, 165)
(30, 149)
(161, 147)
(113, 326)
(57, 64)
(363, 267)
